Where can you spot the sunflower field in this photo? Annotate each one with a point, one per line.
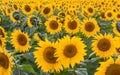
(59, 37)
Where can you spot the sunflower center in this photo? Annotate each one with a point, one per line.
(89, 26)
(1, 33)
(113, 69)
(118, 16)
(53, 24)
(22, 40)
(109, 14)
(103, 15)
(4, 61)
(104, 44)
(9, 11)
(49, 55)
(16, 15)
(15, 6)
(70, 51)
(72, 25)
(46, 10)
(27, 8)
(90, 10)
(34, 20)
(62, 14)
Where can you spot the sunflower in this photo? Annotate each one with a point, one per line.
(109, 67)
(90, 10)
(3, 34)
(45, 57)
(5, 63)
(20, 41)
(117, 16)
(71, 50)
(90, 27)
(47, 10)
(8, 11)
(116, 28)
(72, 25)
(109, 15)
(15, 7)
(32, 21)
(15, 16)
(102, 16)
(53, 25)
(27, 9)
(104, 45)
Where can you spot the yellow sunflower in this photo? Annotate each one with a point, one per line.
(72, 25)
(104, 45)
(2, 32)
(27, 9)
(90, 10)
(15, 7)
(117, 16)
(109, 14)
(32, 21)
(116, 29)
(47, 10)
(6, 63)
(20, 41)
(15, 16)
(53, 25)
(71, 50)
(109, 67)
(89, 27)
(45, 57)
(8, 11)
(102, 16)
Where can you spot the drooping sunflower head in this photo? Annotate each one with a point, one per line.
(104, 45)
(53, 25)
(70, 49)
(32, 21)
(109, 67)
(27, 9)
(3, 34)
(45, 53)
(109, 15)
(90, 27)
(15, 16)
(20, 41)
(72, 25)
(5, 63)
(47, 10)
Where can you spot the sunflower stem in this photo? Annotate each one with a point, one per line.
(18, 70)
(52, 74)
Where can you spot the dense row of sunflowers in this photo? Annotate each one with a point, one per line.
(55, 36)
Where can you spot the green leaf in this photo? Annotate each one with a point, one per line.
(28, 68)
